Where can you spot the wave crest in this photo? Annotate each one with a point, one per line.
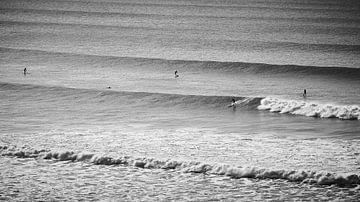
(311, 109)
(312, 177)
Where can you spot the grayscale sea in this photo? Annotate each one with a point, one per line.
(100, 116)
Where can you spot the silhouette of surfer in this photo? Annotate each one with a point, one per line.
(176, 75)
(304, 94)
(233, 102)
(25, 71)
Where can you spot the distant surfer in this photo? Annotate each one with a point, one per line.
(176, 74)
(304, 94)
(233, 102)
(109, 87)
(25, 71)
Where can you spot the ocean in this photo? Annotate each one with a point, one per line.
(100, 116)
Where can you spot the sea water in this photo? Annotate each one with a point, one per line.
(100, 115)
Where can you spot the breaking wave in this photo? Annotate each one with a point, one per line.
(311, 109)
(133, 99)
(301, 176)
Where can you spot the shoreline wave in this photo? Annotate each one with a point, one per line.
(300, 176)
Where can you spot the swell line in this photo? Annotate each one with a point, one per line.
(133, 98)
(87, 26)
(258, 5)
(232, 67)
(303, 19)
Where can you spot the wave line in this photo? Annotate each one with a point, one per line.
(300, 176)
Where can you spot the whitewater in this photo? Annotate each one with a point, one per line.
(99, 114)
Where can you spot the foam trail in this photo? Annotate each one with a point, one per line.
(312, 177)
(345, 112)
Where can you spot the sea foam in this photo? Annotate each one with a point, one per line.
(311, 109)
(301, 176)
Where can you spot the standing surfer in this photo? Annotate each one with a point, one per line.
(233, 102)
(176, 75)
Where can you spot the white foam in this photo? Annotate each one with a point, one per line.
(311, 109)
(312, 177)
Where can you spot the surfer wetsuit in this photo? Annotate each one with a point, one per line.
(25, 71)
(304, 94)
(176, 75)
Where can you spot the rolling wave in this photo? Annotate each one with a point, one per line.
(60, 94)
(347, 112)
(221, 67)
(301, 176)
(133, 99)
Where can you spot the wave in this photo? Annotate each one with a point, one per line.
(221, 16)
(296, 6)
(311, 109)
(195, 65)
(133, 99)
(301, 176)
(79, 25)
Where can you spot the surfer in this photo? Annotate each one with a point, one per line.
(25, 71)
(304, 94)
(233, 102)
(176, 75)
